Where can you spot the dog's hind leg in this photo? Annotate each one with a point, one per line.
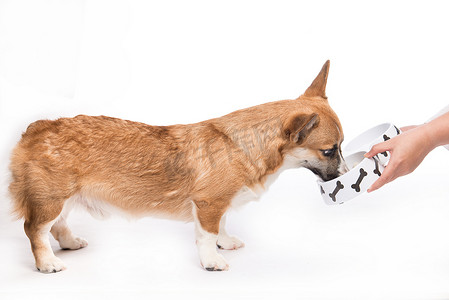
(40, 203)
(226, 241)
(62, 233)
(207, 223)
(37, 227)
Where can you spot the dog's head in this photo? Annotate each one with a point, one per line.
(314, 132)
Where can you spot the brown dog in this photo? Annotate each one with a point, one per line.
(190, 172)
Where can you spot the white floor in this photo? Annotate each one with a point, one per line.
(392, 244)
(171, 62)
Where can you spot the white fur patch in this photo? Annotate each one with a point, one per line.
(246, 195)
(50, 264)
(225, 241)
(47, 262)
(101, 209)
(210, 259)
(295, 159)
(96, 208)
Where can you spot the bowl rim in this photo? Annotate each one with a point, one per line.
(355, 145)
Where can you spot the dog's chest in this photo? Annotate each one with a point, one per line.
(254, 193)
(248, 194)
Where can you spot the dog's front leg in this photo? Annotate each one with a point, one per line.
(226, 241)
(207, 223)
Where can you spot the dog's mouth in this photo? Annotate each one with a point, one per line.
(325, 176)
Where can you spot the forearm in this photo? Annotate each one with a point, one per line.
(438, 131)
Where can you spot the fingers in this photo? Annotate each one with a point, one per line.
(378, 148)
(387, 174)
(386, 177)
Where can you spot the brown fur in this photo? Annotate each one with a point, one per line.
(161, 170)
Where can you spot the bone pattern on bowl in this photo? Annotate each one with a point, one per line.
(363, 172)
(355, 186)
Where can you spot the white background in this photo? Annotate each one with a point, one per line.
(172, 62)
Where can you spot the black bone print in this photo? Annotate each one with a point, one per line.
(386, 138)
(322, 190)
(376, 163)
(356, 186)
(397, 130)
(336, 190)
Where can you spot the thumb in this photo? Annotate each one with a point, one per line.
(378, 148)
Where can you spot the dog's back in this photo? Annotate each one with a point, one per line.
(122, 162)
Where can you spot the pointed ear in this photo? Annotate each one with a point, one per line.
(300, 127)
(318, 86)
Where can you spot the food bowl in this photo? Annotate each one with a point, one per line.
(362, 174)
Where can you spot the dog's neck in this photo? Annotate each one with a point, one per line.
(257, 142)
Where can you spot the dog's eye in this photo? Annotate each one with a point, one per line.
(329, 152)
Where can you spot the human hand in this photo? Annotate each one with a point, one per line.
(407, 128)
(407, 151)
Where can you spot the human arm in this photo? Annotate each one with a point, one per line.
(409, 149)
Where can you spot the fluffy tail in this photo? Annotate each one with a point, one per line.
(18, 186)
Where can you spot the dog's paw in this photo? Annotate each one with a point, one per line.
(229, 243)
(50, 265)
(215, 263)
(73, 244)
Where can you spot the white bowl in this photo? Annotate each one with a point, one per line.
(362, 174)
(363, 171)
(369, 138)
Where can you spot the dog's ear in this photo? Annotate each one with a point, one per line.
(318, 86)
(300, 127)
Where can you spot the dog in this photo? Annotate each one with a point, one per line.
(194, 172)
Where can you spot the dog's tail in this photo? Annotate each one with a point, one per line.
(18, 185)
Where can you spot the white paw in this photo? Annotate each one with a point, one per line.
(214, 262)
(229, 242)
(73, 244)
(51, 264)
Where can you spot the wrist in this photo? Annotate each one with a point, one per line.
(437, 130)
(430, 136)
